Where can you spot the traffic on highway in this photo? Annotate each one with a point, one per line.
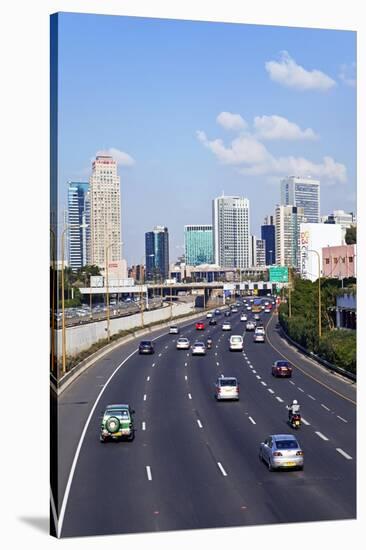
(206, 425)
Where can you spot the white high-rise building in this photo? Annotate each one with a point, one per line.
(303, 193)
(287, 224)
(105, 211)
(231, 237)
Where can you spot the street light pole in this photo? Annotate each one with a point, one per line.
(319, 296)
(107, 285)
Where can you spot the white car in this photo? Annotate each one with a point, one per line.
(249, 308)
(173, 330)
(183, 343)
(226, 388)
(258, 337)
(199, 348)
(226, 326)
(267, 310)
(209, 315)
(236, 342)
(234, 310)
(243, 317)
(250, 325)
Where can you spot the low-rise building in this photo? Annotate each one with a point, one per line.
(339, 261)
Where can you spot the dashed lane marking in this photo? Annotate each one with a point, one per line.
(270, 391)
(300, 389)
(343, 419)
(144, 426)
(222, 469)
(145, 396)
(148, 473)
(252, 420)
(347, 456)
(311, 397)
(279, 399)
(319, 434)
(257, 376)
(263, 383)
(324, 407)
(148, 379)
(153, 365)
(305, 422)
(199, 424)
(189, 396)
(186, 378)
(291, 382)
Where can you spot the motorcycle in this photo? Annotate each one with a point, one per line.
(209, 344)
(295, 421)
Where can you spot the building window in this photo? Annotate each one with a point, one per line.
(350, 260)
(335, 260)
(327, 260)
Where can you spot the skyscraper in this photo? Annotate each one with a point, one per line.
(288, 219)
(268, 235)
(304, 193)
(231, 239)
(198, 244)
(105, 211)
(77, 219)
(261, 253)
(157, 253)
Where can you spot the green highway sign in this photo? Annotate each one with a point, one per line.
(278, 274)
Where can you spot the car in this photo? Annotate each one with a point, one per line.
(183, 343)
(198, 348)
(236, 342)
(243, 317)
(200, 326)
(117, 423)
(257, 317)
(234, 310)
(266, 303)
(281, 451)
(263, 307)
(251, 300)
(226, 326)
(282, 368)
(227, 313)
(249, 308)
(173, 329)
(209, 315)
(258, 336)
(260, 328)
(250, 326)
(217, 312)
(212, 322)
(226, 387)
(146, 347)
(267, 310)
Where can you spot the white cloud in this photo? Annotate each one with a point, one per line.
(231, 121)
(251, 157)
(347, 74)
(122, 158)
(277, 127)
(288, 73)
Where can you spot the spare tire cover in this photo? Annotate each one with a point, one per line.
(112, 424)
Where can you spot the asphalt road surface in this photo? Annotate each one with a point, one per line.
(194, 461)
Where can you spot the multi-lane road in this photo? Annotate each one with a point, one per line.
(194, 461)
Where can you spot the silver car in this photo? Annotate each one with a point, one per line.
(174, 329)
(199, 348)
(183, 343)
(226, 326)
(226, 388)
(250, 325)
(281, 451)
(258, 336)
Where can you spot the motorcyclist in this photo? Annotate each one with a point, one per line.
(209, 342)
(293, 408)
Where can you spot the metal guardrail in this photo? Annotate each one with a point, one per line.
(323, 362)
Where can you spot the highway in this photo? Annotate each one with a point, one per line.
(194, 461)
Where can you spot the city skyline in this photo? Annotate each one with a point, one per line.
(211, 113)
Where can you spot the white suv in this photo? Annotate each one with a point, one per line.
(236, 342)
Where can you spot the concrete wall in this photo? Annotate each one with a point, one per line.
(82, 337)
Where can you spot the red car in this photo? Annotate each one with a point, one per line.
(282, 368)
(200, 326)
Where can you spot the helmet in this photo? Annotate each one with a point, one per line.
(294, 402)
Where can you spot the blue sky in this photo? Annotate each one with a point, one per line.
(191, 109)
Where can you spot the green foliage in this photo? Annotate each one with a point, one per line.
(336, 346)
(351, 235)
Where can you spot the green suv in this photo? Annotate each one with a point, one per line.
(117, 423)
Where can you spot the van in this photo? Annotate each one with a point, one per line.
(236, 342)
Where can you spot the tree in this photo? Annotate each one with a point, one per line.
(351, 235)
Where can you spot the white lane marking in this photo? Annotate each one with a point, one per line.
(251, 367)
(217, 363)
(254, 371)
(305, 421)
(257, 376)
(321, 435)
(311, 397)
(185, 364)
(270, 391)
(148, 379)
(186, 377)
(148, 473)
(159, 354)
(263, 383)
(144, 426)
(217, 346)
(166, 347)
(252, 420)
(199, 423)
(215, 352)
(145, 396)
(300, 389)
(343, 419)
(153, 365)
(222, 469)
(291, 382)
(187, 354)
(248, 361)
(81, 440)
(279, 399)
(348, 457)
(324, 407)
(189, 396)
